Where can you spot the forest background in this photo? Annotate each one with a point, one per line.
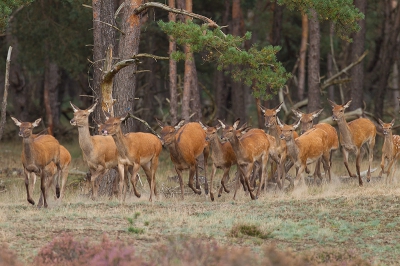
(59, 49)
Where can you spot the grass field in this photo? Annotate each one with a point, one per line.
(328, 220)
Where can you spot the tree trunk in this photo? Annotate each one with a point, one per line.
(125, 80)
(173, 101)
(357, 49)
(329, 69)
(238, 93)
(276, 30)
(51, 82)
(388, 48)
(103, 37)
(302, 58)
(314, 95)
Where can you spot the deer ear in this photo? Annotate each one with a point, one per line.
(262, 108)
(277, 109)
(160, 124)
(296, 125)
(222, 124)
(16, 121)
(91, 108)
(179, 125)
(347, 104)
(332, 103)
(279, 122)
(317, 113)
(36, 123)
(235, 125)
(297, 113)
(203, 126)
(107, 115)
(380, 122)
(392, 122)
(74, 107)
(123, 118)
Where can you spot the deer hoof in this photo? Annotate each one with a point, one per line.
(212, 196)
(31, 201)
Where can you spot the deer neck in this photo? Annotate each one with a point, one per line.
(346, 136)
(236, 146)
(276, 132)
(292, 148)
(28, 150)
(216, 146)
(85, 140)
(121, 143)
(388, 143)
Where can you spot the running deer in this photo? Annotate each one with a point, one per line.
(390, 149)
(99, 152)
(37, 152)
(270, 116)
(311, 145)
(135, 149)
(352, 136)
(306, 123)
(186, 143)
(251, 147)
(52, 174)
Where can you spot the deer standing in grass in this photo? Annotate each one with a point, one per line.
(310, 145)
(37, 153)
(99, 152)
(390, 149)
(270, 117)
(52, 174)
(306, 123)
(251, 147)
(186, 143)
(135, 149)
(352, 136)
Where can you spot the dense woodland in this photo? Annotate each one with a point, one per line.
(59, 48)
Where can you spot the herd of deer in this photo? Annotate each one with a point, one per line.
(248, 148)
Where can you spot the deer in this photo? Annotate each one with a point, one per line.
(99, 152)
(251, 147)
(353, 136)
(306, 123)
(37, 153)
(186, 143)
(51, 174)
(311, 145)
(135, 149)
(222, 155)
(390, 149)
(270, 118)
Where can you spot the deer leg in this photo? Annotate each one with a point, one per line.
(193, 169)
(264, 164)
(358, 159)
(382, 166)
(179, 172)
(43, 186)
(346, 161)
(147, 171)
(206, 153)
(154, 166)
(225, 179)
(122, 175)
(213, 171)
(29, 198)
(371, 157)
(246, 172)
(326, 164)
(136, 168)
(389, 167)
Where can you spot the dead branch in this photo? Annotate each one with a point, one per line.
(329, 81)
(143, 7)
(145, 123)
(112, 26)
(6, 85)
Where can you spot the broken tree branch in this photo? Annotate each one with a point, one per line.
(327, 82)
(145, 123)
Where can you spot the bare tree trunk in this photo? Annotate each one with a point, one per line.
(302, 58)
(5, 94)
(276, 30)
(329, 68)
(125, 80)
(314, 95)
(395, 84)
(238, 94)
(357, 49)
(173, 109)
(103, 37)
(51, 82)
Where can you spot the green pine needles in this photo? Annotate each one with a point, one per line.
(255, 67)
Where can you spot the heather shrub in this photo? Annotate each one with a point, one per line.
(8, 257)
(240, 230)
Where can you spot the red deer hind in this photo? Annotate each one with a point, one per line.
(352, 136)
(135, 149)
(186, 143)
(390, 149)
(37, 153)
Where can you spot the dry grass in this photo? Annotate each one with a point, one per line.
(328, 220)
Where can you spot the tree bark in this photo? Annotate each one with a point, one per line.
(302, 58)
(314, 95)
(357, 72)
(125, 80)
(5, 94)
(103, 37)
(51, 82)
(173, 100)
(238, 94)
